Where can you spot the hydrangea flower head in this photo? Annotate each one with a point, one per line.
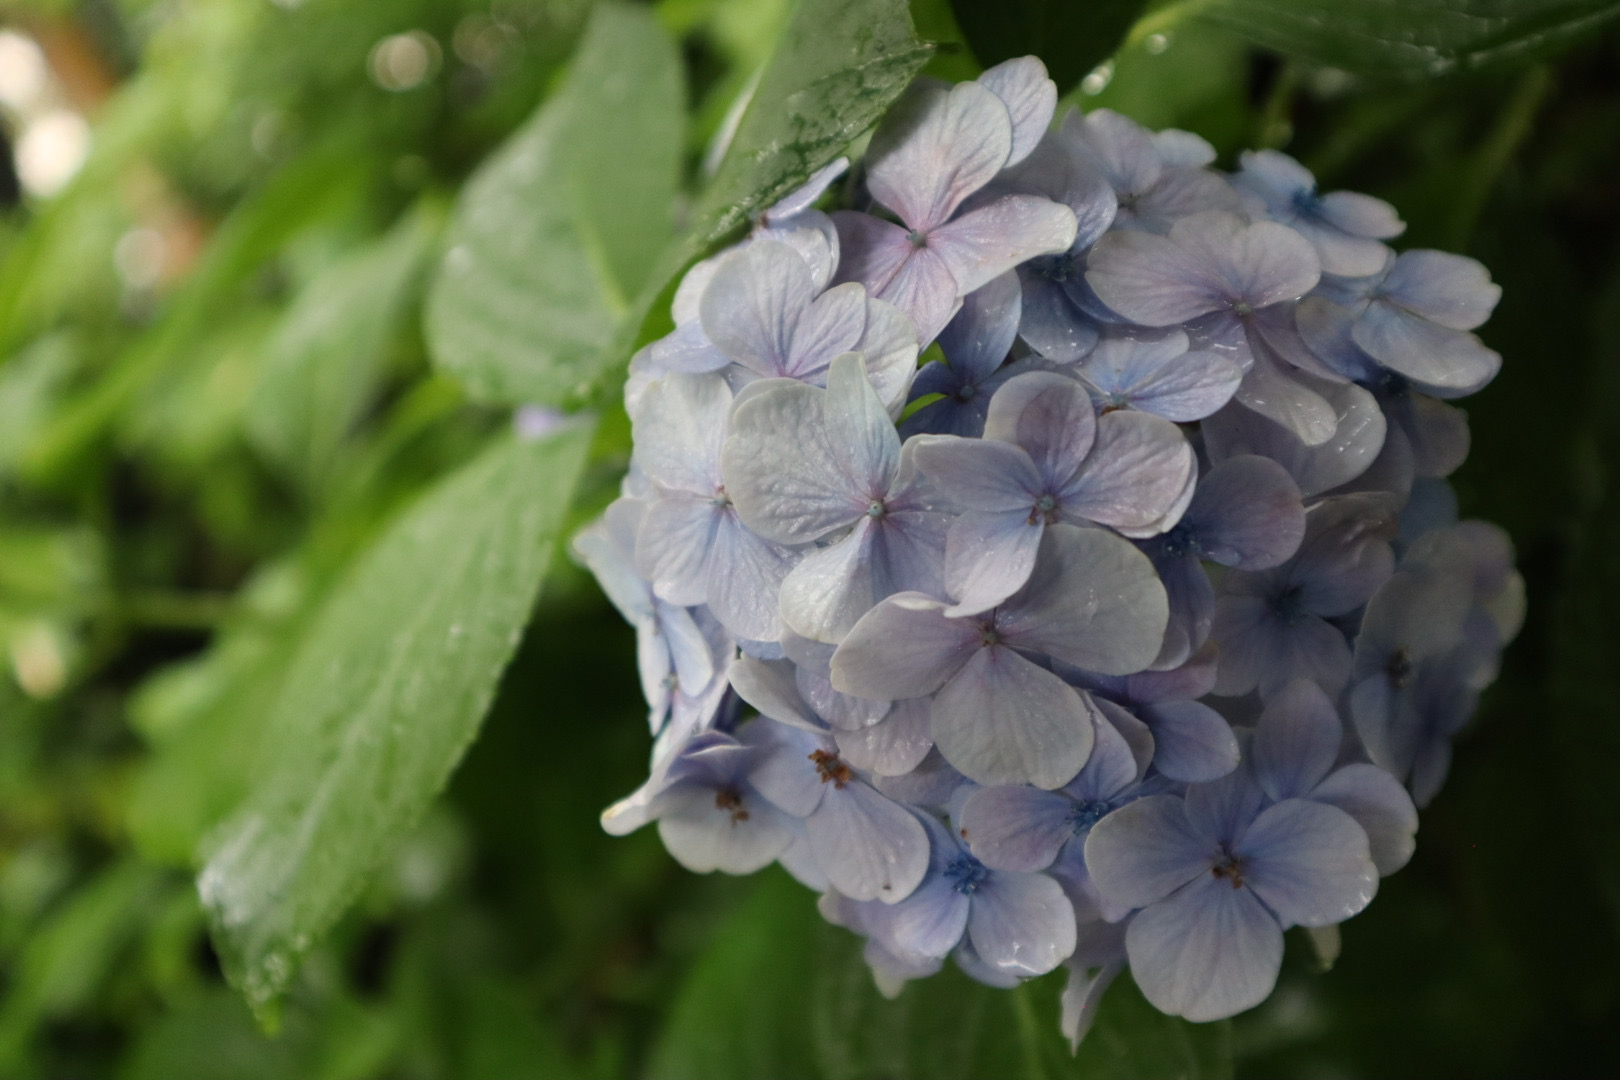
(1128, 634)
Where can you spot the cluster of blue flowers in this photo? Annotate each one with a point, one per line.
(1129, 631)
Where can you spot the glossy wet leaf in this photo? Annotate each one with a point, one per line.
(382, 697)
(554, 238)
(1415, 38)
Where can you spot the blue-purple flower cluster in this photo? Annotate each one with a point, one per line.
(1130, 629)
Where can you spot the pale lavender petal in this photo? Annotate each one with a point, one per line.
(831, 325)
(1016, 828)
(889, 344)
(680, 426)
(1452, 290)
(1138, 738)
(1160, 376)
(1361, 215)
(981, 335)
(1247, 513)
(781, 769)
(1093, 601)
(832, 587)
(1260, 649)
(1003, 720)
(1030, 97)
(1182, 149)
(979, 475)
(1021, 923)
(1358, 435)
(1179, 193)
(925, 289)
(1380, 806)
(1087, 983)
(1309, 862)
(1137, 470)
(1191, 741)
(985, 243)
(988, 557)
(783, 472)
(1258, 264)
(1151, 280)
(932, 784)
(1146, 850)
(1296, 742)
(1207, 953)
(745, 574)
(1289, 398)
(905, 647)
(1050, 323)
(872, 250)
(801, 198)
(1124, 151)
(673, 544)
(687, 350)
(800, 861)
(893, 746)
(754, 302)
(935, 148)
(931, 920)
(813, 235)
(1191, 610)
(1220, 810)
(1425, 351)
(768, 685)
(841, 711)
(1438, 433)
(705, 834)
(1050, 416)
(870, 846)
(1346, 555)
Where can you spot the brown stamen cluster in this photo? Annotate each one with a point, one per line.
(731, 799)
(831, 768)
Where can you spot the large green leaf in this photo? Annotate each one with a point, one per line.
(554, 238)
(837, 66)
(782, 994)
(382, 697)
(1071, 38)
(1410, 38)
(323, 362)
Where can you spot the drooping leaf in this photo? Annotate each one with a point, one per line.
(382, 697)
(835, 69)
(554, 238)
(1070, 38)
(1413, 38)
(780, 993)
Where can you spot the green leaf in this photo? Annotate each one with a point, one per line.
(782, 994)
(837, 66)
(324, 359)
(1411, 39)
(382, 697)
(1070, 38)
(555, 236)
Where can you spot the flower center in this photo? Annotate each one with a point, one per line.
(988, 634)
(917, 239)
(876, 509)
(1043, 510)
(1400, 669)
(1083, 815)
(831, 768)
(720, 498)
(966, 874)
(1242, 308)
(1181, 540)
(1290, 603)
(967, 392)
(729, 798)
(1060, 267)
(1229, 867)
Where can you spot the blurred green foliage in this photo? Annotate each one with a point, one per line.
(266, 542)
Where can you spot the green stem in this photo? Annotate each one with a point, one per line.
(1509, 134)
(1273, 128)
(1029, 1026)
